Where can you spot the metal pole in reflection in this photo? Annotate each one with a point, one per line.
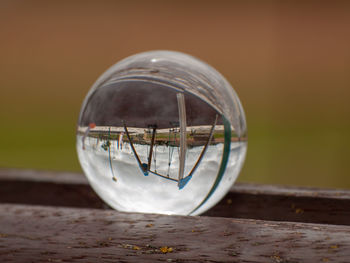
(183, 140)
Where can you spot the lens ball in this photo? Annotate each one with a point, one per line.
(161, 132)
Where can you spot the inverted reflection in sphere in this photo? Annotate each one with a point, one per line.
(161, 132)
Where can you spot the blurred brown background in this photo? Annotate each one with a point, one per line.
(289, 62)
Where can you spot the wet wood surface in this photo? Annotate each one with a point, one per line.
(56, 217)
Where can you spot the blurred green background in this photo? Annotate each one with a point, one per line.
(288, 61)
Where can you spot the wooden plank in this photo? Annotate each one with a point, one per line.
(283, 190)
(42, 176)
(283, 208)
(243, 201)
(52, 234)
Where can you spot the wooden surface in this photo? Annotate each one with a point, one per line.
(51, 234)
(243, 201)
(56, 217)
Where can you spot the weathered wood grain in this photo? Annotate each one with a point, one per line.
(53, 234)
(243, 201)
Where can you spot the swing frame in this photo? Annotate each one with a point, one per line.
(146, 168)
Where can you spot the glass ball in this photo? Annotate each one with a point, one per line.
(161, 132)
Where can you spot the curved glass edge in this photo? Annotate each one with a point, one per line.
(225, 156)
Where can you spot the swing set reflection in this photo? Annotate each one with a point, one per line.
(146, 167)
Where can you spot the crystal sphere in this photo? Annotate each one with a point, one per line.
(161, 132)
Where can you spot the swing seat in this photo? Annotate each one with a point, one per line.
(145, 169)
(184, 181)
